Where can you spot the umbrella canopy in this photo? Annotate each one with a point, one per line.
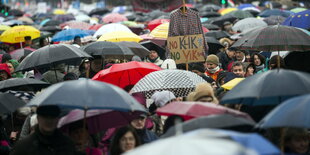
(15, 12)
(221, 20)
(190, 110)
(88, 94)
(297, 10)
(95, 27)
(239, 14)
(119, 36)
(248, 23)
(69, 34)
(224, 11)
(25, 20)
(52, 29)
(17, 54)
(64, 18)
(111, 28)
(300, 20)
(269, 90)
(222, 121)
(290, 113)
(4, 27)
(211, 8)
(274, 38)
(298, 61)
(49, 56)
(22, 84)
(107, 49)
(184, 145)
(211, 27)
(232, 83)
(114, 18)
(82, 18)
(17, 34)
(275, 12)
(217, 34)
(274, 20)
(126, 74)
(214, 45)
(160, 31)
(94, 119)
(153, 46)
(166, 80)
(156, 22)
(98, 11)
(136, 48)
(9, 103)
(52, 23)
(210, 14)
(59, 12)
(76, 25)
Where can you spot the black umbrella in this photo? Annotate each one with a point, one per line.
(211, 8)
(52, 29)
(274, 38)
(51, 55)
(274, 20)
(136, 48)
(221, 20)
(152, 46)
(24, 84)
(298, 61)
(16, 13)
(217, 34)
(99, 11)
(210, 26)
(107, 49)
(269, 88)
(224, 121)
(9, 103)
(214, 45)
(210, 14)
(52, 23)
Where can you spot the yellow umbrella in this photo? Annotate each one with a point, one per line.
(227, 10)
(118, 36)
(4, 27)
(59, 12)
(161, 31)
(17, 34)
(232, 83)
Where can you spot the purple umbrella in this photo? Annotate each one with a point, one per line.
(98, 120)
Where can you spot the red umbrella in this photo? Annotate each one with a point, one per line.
(76, 25)
(189, 110)
(154, 23)
(114, 18)
(95, 27)
(125, 74)
(205, 30)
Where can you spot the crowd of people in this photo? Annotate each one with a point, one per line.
(35, 131)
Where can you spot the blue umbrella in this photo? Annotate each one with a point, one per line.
(300, 20)
(275, 12)
(87, 94)
(69, 34)
(250, 140)
(291, 113)
(246, 5)
(44, 22)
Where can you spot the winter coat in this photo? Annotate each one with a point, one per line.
(146, 136)
(224, 60)
(39, 144)
(157, 62)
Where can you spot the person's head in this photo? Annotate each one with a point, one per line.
(250, 70)
(227, 25)
(79, 135)
(212, 62)
(203, 93)
(6, 57)
(171, 121)
(231, 53)
(12, 65)
(238, 69)
(226, 42)
(240, 55)
(28, 40)
(153, 54)
(296, 140)
(97, 64)
(77, 40)
(125, 139)
(48, 117)
(70, 76)
(258, 59)
(43, 42)
(4, 72)
(139, 122)
(163, 97)
(273, 62)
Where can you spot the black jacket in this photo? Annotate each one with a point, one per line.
(224, 60)
(38, 144)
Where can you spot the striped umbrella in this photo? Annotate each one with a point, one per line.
(274, 38)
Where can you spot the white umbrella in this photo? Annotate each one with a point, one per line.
(248, 23)
(192, 145)
(111, 28)
(82, 18)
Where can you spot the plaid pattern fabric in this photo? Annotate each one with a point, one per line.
(185, 24)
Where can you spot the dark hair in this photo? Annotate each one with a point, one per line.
(70, 76)
(115, 144)
(274, 61)
(261, 58)
(197, 66)
(27, 37)
(251, 65)
(76, 37)
(6, 57)
(237, 63)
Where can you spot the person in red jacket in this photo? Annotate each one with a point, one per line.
(4, 72)
(212, 66)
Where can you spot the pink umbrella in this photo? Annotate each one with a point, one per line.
(98, 120)
(95, 27)
(114, 18)
(17, 54)
(76, 25)
(190, 110)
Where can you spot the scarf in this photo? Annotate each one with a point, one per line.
(214, 69)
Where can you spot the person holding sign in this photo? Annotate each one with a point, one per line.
(212, 66)
(154, 58)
